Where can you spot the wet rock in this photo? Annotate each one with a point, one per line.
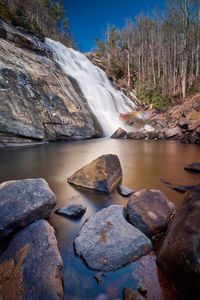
(136, 135)
(107, 241)
(172, 132)
(193, 167)
(123, 191)
(152, 135)
(22, 202)
(183, 188)
(149, 211)
(129, 294)
(103, 174)
(179, 256)
(119, 133)
(33, 265)
(74, 210)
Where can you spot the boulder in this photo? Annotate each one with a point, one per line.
(74, 210)
(123, 191)
(193, 167)
(31, 266)
(149, 211)
(179, 256)
(172, 132)
(103, 174)
(136, 135)
(107, 241)
(22, 202)
(119, 134)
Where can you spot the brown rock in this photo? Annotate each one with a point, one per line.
(149, 211)
(172, 132)
(136, 135)
(119, 133)
(129, 294)
(179, 257)
(103, 174)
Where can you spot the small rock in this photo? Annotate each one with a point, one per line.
(74, 210)
(103, 174)
(33, 265)
(98, 278)
(22, 202)
(107, 241)
(119, 133)
(141, 288)
(183, 188)
(136, 135)
(124, 191)
(149, 211)
(129, 294)
(194, 167)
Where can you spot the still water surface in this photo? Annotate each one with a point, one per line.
(144, 163)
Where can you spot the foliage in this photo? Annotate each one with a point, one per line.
(149, 95)
(192, 89)
(4, 12)
(116, 69)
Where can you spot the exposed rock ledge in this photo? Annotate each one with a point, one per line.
(38, 102)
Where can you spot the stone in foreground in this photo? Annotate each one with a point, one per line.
(149, 211)
(194, 167)
(107, 241)
(179, 257)
(32, 265)
(103, 174)
(74, 210)
(123, 191)
(22, 202)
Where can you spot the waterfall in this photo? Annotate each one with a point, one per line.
(105, 102)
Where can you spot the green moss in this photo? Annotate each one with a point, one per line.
(4, 13)
(192, 89)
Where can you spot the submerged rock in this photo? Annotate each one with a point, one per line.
(129, 294)
(103, 174)
(74, 210)
(32, 265)
(22, 202)
(124, 191)
(194, 167)
(149, 211)
(179, 256)
(107, 241)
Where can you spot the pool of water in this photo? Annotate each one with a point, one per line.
(145, 164)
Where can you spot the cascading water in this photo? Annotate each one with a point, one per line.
(105, 101)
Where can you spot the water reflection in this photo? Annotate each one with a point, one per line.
(144, 164)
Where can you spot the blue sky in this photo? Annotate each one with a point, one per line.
(89, 18)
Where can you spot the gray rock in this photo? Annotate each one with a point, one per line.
(22, 202)
(124, 191)
(149, 211)
(179, 256)
(107, 241)
(136, 135)
(32, 265)
(193, 167)
(172, 132)
(103, 174)
(74, 210)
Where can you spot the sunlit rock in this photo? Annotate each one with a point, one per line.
(31, 266)
(107, 241)
(103, 174)
(149, 211)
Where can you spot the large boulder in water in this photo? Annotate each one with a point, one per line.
(119, 134)
(31, 266)
(107, 241)
(22, 202)
(103, 174)
(149, 211)
(179, 257)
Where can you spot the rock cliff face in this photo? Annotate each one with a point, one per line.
(38, 103)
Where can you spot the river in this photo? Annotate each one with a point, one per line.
(145, 164)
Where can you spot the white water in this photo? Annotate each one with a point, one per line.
(104, 100)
